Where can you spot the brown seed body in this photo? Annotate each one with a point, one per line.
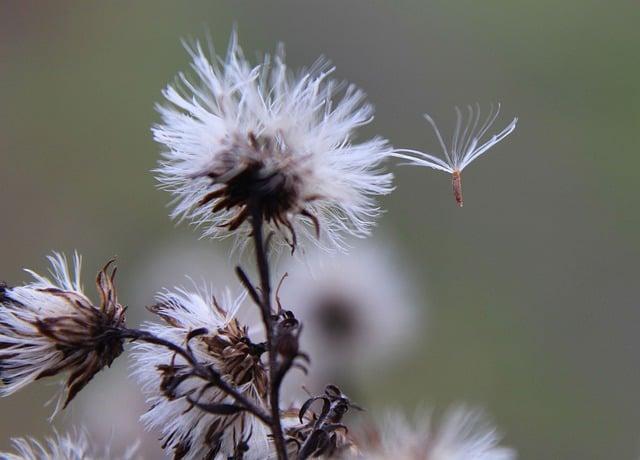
(456, 181)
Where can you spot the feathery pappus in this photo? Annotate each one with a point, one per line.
(244, 140)
(466, 145)
(175, 396)
(49, 326)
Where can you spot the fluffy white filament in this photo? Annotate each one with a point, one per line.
(466, 142)
(26, 353)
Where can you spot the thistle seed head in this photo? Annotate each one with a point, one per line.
(245, 140)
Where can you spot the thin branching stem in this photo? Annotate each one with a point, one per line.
(269, 323)
(206, 373)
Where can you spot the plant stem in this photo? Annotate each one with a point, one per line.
(204, 372)
(269, 322)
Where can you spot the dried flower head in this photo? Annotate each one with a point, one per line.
(73, 446)
(317, 430)
(462, 435)
(245, 140)
(465, 145)
(177, 397)
(49, 326)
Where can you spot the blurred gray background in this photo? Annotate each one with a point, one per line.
(532, 287)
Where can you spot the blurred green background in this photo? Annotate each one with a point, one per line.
(532, 287)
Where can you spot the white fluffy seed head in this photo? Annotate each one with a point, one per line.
(188, 430)
(238, 137)
(50, 326)
(462, 434)
(73, 446)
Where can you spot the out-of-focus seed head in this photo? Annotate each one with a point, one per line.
(359, 312)
(73, 446)
(462, 434)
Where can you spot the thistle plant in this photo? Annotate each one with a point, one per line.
(268, 156)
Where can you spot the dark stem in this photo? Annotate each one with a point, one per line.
(206, 373)
(269, 322)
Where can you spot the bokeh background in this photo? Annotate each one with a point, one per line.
(530, 290)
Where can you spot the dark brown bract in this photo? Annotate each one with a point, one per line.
(258, 175)
(231, 351)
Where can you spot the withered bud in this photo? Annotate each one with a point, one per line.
(287, 335)
(322, 433)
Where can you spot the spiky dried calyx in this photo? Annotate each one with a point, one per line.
(239, 358)
(322, 433)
